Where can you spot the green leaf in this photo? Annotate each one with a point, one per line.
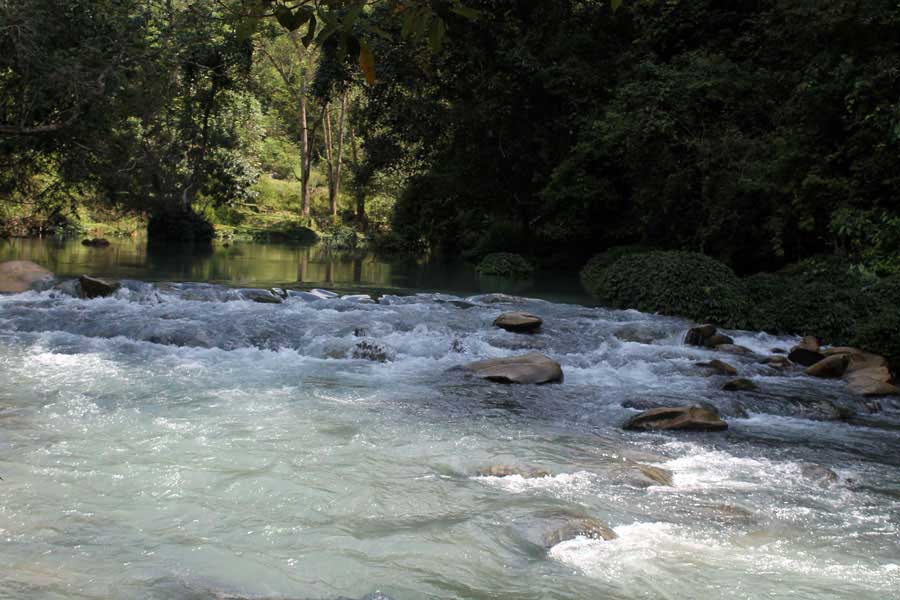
(436, 35)
(467, 12)
(310, 32)
(367, 62)
(615, 4)
(292, 20)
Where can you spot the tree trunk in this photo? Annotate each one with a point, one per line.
(306, 158)
(329, 158)
(340, 154)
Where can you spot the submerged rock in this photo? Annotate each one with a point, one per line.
(717, 340)
(261, 296)
(682, 418)
(778, 361)
(370, 351)
(830, 367)
(734, 349)
(534, 368)
(518, 322)
(573, 528)
(655, 474)
(806, 353)
(740, 385)
(818, 473)
(508, 471)
(18, 276)
(94, 287)
(95, 242)
(637, 334)
(721, 367)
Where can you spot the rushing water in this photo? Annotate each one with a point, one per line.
(178, 442)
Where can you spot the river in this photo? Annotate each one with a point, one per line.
(175, 441)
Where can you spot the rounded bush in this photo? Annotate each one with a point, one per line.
(180, 226)
(592, 271)
(504, 264)
(687, 284)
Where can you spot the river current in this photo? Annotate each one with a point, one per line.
(179, 441)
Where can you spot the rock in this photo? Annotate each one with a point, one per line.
(806, 353)
(684, 418)
(778, 351)
(734, 349)
(718, 340)
(325, 294)
(778, 361)
(508, 471)
(739, 385)
(358, 298)
(589, 528)
(370, 351)
(96, 242)
(528, 368)
(818, 473)
(841, 350)
(305, 296)
(18, 276)
(871, 381)
(859, 360)
(94, 287)
(518, 322)
(636, 334)
(261, 296)
(655, 474)
(830, 367)
(721, 367)
(697, 336)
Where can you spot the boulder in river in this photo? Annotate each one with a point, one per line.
(807, 352)
(697, 336)
(734, 349)
(720, 367)
(739, 385)
(573, 528)
(871, 381)
(778, 361)
(366, 350)
(260, 296)
(95, 242)
(18, 276)
(830, 367)
(681, 418)
(717, 340)
(818, 473)
(508, 471)
(518, 322)
(655, 474)
(526, 368)
(94, 287)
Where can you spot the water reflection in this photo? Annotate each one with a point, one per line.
(264, 264)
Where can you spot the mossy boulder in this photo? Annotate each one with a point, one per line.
(686, 284)
(504, 264)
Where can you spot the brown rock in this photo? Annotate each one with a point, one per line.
(96, 242)
(830, 367)
(718, 340)
(508, 471)
(739, 385)
(527, 368)
(518, 322)
(721, 367)
(871, 381)
(697, 336)
(590, 528)
(841, 350)
(684, 418)
(778, 361)
(94, 287)
(734, 349)
(806, 353)
(18, 276)
(655, 474)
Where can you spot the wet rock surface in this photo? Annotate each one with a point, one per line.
(531, 368)
(685, 418)
(519, 322)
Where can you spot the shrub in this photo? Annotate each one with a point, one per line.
(881, 334)
(674, 283)
(504, 264)
(592, 271)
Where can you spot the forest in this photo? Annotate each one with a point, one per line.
(759, 133)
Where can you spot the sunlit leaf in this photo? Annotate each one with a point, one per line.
(367, 62)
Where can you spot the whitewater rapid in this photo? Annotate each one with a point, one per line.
(180, 441)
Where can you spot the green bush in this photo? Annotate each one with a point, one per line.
(504, 264)
(592, 271)
(675, 283)
(881, 334)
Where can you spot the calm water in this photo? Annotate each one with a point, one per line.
(177, 442)
(249, 264)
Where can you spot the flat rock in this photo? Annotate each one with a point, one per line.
(94, 287)
(778, 361)
(18, 276)
(531, 368)
(830, 367)
(734, 349)
(683, 418)
(509, 471)
(518, 322)
(721, 367)
(871, 381)
(573, 528)
(739, 385)
(718, 339)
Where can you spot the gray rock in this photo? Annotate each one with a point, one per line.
(94, 287)
(573, 528)
(682, 418)
(532, 368)
(519, 322)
